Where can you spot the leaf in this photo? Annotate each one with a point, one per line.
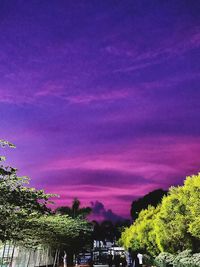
(2, 158)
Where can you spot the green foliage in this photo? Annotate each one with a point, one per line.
(17, 201)
(183, 259)
(151, 199)
(177, 224)
(191, 199)
(148, 260)
(141, 236)
(26, 219)
(182, 255)
(4, 143)
(56, 231)
(173, 226)
(194, 227)
(164, 259)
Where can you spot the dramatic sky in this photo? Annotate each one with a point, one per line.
(101, 97)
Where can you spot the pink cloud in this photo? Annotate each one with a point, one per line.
(161, 161)
(9, 97)
(109, 196)
(108, 96)
(156, 158)
(172, 47)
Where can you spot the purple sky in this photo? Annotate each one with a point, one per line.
(101, 97)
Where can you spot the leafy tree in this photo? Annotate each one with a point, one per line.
(26, 219)
(172, 223)
(153, 198)
(141, 236)
(17, 201)
(56, 231)
(177, 223)
(75, 210)
(191, 199)
(172, 226)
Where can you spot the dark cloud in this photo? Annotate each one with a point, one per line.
(91, 177)
(128, 198)
(100, 212)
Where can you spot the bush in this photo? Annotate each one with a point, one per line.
(196, 259)
(192, 261)
(182, 255)
(165, 259)
(183, 259)
(187, 262)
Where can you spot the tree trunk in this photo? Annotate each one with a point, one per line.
(39, 258)
(55, 258)
(58, 258)
(34, 257)
(29, 257)
(65, 259)
(13, 251)
(8, 251)
(4, 248)
(47, 257)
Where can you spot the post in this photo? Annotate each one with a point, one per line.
(13, 251)
(29, 257)
(65, 259)
(39, 257)
(55, 258)
(58, 257)
(47, 255)
(4, 248)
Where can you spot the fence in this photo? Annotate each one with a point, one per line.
(12, 256)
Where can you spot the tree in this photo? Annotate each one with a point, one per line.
(153, 198)
(141, 236)
(171, 223)
(75, 210)
(17, 201)
(57, 231)
(120, 226)
(25, 218)
(172, 226)
(107, 231)
(177, 223)
(191, 199)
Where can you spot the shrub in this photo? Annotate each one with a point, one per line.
(182, 255)
(196, 259)
(183, 259)
(187, 262)
(165, 259)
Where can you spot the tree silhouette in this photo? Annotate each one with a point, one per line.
(153, 198)
(107, 230)
(75, 210)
